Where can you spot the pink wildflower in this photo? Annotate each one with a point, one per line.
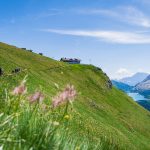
(36, 97)
(20, 90)
(67, 95)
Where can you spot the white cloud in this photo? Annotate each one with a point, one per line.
(96, 12)
(49, 13)
(107, 36)
(137, 17)
(127, 14)
(123, 72)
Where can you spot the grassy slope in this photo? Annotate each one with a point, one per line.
(106, 113)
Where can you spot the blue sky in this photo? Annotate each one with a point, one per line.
(111, 34)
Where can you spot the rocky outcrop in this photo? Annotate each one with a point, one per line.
(109, 84)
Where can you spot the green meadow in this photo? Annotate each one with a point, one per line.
(99, 118)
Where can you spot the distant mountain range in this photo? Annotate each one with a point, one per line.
(145, 104)
(143, 87)
(138, 84)
(135, 79)
(122, 86)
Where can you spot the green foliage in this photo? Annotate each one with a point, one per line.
(33, 126)
(39, 126)
(101, 118)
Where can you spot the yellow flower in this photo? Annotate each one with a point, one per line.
(67, 117)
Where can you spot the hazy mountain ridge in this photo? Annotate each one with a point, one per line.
(129, 84)
(143, 87)
(135, 79)
(122, 86)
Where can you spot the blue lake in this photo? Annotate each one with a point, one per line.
(137, 96)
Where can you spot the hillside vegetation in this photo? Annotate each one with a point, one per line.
(101, 117)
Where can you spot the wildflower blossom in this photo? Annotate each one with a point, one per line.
(36, 97)
(20, 90)
(67, 95)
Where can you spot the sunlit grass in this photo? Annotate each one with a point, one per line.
(38, 125)
(29, 122)
(98, 118)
